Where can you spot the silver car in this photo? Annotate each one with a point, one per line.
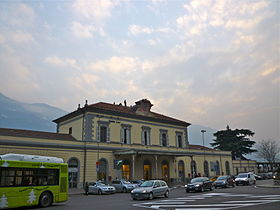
(123, 186)
(100, 188)
(150, 189)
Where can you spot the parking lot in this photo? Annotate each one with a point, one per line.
(241, 197)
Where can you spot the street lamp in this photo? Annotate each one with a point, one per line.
(202, 132)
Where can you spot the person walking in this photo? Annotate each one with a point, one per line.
(86, 188)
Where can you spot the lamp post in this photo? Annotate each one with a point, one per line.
(202, 132)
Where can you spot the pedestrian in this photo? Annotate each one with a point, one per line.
(86, 188)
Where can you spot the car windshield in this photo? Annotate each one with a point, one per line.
(126, 182)
(242, 176)
(100, 184)
(147, 184)
(197, 180)
(222, 178)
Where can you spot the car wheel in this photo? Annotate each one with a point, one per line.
(99, 192)
(236, 184)
(45, 199)
(134, 199)
(166, 194)
(233, 185)
(202, 189)
(187, 191)
(124, 190)
(215, 187)
(151, 196)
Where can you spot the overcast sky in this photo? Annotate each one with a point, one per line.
(213, 63)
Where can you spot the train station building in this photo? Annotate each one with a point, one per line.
(104, 141)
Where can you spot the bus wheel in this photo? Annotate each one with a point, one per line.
(45, 199)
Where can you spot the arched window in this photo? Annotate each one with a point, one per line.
(206, 168)
(218, 168)
(193, 168)
(227, 168)
(73, 172)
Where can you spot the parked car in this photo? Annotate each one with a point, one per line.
(100, 188)
(150, 189)
(245, 179)
(224, 181)
(199, 184)
(122, 186)
(137, 183)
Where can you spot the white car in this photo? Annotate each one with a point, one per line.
(245, 179)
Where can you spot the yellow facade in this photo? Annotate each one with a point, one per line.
(148, 146)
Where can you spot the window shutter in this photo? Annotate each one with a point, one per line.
(98, 133)
(167, 140)
(122, 135)
(108, 134)
(142, 137)
(160, 138)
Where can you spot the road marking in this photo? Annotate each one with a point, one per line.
(185, 203)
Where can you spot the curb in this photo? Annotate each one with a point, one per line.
(268, 186)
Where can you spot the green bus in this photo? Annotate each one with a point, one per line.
(27, 180)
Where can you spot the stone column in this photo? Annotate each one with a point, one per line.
(133, 167)
(156, 164)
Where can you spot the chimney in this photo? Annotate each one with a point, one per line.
(79, 106)
(143, 105)
(86, 104)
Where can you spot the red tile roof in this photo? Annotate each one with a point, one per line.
(199, 147)
(124, 111)
(35, 134)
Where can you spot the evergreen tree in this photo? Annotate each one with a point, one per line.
(237, 141)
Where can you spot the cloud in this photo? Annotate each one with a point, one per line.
(21, 15)
(116, 65)
(21, 37)
(82, 31)
(94, 9)
(270, 70)
(137, 29)
(61, 62)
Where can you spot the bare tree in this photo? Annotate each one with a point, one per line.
(269, 150)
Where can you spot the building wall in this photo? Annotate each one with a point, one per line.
(240, 166)
(76, 124)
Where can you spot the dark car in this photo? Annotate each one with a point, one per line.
(224, 181)
(150, 189)
(199, 184)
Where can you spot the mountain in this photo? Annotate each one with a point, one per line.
(39, 116)
(35, 116)
(195, 135)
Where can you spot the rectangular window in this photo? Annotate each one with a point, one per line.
(103, 133)
(163, 138)
(179, 139)
(28, 177)
(70, 130)
(146, 139)
(126, 134)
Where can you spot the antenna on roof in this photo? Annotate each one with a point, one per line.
(125, 103)
(86, 103)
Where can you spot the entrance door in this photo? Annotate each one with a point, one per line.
(73, 172)
(181, 170)
(165, 170)
(102, 171)
(147, 169)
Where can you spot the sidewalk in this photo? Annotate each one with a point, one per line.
(268, 183)
(75, 191)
